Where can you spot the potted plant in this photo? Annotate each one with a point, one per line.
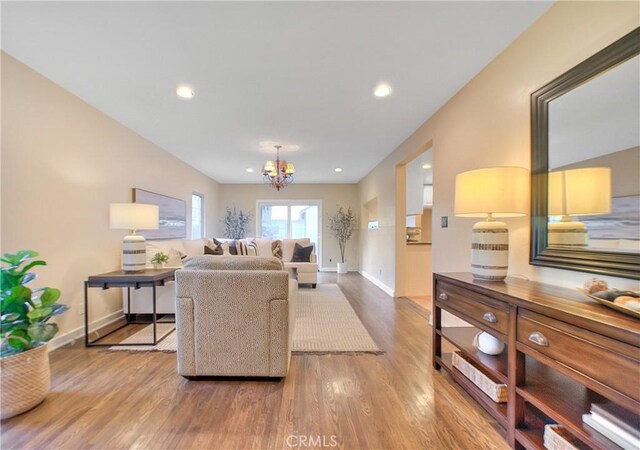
(236, 223)
(342, 225)
(24, 317)
(159, 260)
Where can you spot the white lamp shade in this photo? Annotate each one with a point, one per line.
(133, 216)
(499, 191)
(581, 192)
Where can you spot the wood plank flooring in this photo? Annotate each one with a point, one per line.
(114, 400)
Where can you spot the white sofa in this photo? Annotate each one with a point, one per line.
(141, 300)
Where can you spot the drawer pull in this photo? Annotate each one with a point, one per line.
(490, 317)
(443, 296)
(539, 339)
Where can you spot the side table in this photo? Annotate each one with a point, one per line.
(119, 279)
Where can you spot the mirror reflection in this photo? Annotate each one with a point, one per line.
(594, 163)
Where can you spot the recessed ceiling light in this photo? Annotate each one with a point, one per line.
(249, 169)
(426, 166)
(337, 169)
(185, 92)
(382, 90)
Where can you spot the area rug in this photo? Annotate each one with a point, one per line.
(325, 324)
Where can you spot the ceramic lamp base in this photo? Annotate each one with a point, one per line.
(567, 233)
(134, 253)
(490, 250)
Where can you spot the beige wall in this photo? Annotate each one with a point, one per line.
(245, 196)
(487, 124)
(63, 162)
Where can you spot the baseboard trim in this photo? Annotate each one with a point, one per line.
(335, 269)
(77, 333)
(378, 283)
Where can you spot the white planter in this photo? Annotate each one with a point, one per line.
(25, 381)
(343, 267)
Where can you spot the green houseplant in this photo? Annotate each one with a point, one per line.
(236, 223)
(342, 225)
(159, 260)
(25, 330)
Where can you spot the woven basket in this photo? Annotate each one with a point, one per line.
(557, 438)
(495, 390)
(25, 380)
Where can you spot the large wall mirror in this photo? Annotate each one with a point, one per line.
(585, 171)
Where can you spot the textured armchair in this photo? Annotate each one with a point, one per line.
(234, 317)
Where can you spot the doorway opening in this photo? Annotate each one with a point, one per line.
(414, 204)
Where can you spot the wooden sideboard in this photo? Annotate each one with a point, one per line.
(563, 352)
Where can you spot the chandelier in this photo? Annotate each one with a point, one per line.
(279, 174)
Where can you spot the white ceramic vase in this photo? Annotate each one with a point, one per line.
(343, 267)
(488, 344)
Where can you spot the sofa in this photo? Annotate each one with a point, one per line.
(234, 317)
(180, 250)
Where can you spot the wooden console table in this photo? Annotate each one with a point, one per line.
(563, 353)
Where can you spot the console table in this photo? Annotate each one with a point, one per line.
(563, 353)
(148, 278)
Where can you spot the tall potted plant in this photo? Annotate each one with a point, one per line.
(342, 225)
(24, 317)
(236, 223)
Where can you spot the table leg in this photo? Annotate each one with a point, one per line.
(154, 315)
(86, 314)
(128, 304)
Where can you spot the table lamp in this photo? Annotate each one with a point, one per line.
(490, 193)
(133, 216)
(576, 192)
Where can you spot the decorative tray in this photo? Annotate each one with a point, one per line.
(612, 305)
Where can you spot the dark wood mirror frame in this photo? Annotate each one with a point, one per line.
(617, 264)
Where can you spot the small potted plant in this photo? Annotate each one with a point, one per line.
(342, 225)
(159, 260)
(25, 331)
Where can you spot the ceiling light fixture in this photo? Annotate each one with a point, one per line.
(185, 92)
(426, 166)
(279, 174)
(249, 170)
(382, 90)
(338, 169)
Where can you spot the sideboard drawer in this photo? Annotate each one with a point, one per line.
(603, 359)
(487, 311)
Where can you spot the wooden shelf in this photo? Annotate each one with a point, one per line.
(555, 386)
(531, 436)
(462, 337)
(563, 400)
(497, 410)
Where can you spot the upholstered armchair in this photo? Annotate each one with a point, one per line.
(234, 317)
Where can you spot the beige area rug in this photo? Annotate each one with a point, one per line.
(325, 324)
(165, 331)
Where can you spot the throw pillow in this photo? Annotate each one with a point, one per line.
(252, 248)
(241, 248)
(233, 250)
(213, 251)
(175, 257)
(302, 254)
(276, 248)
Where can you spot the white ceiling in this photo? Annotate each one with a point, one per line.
(298, 73)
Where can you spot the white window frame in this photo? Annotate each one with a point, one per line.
(290, 203)
(202, 216)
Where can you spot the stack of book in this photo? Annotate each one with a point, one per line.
(615, 423)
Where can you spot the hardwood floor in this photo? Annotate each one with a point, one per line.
(114, 400)
(422, 300)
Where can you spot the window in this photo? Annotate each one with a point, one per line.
(197, 216)
(290, 219)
